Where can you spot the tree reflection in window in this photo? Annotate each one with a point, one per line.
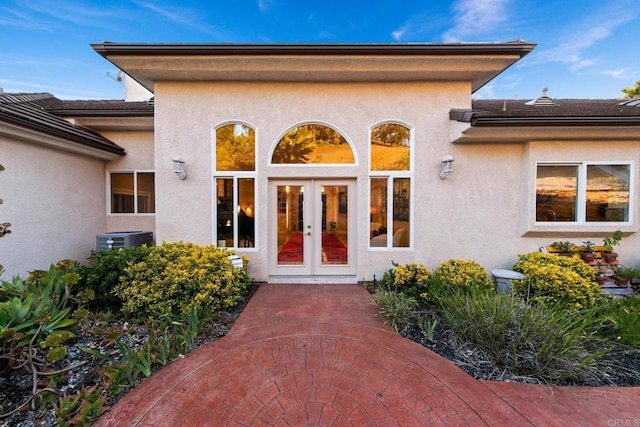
(235, 148)
(390, 147)
(312, 144)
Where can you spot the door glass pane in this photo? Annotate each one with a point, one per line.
(290, 224)
(334, 224)
(378, 213)
(401, 210)
(608, 193)
(556, 188)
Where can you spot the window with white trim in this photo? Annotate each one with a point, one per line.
(390, 186)
(132, 192)
(234, 207)
(583, 192)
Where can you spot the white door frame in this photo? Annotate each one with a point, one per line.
(313, 265)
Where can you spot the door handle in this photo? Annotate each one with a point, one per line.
(308, 233)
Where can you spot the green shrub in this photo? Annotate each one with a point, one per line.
(411, 279)
(624, 317)
(550, 279)
(396, 307)
(465, 275)
(547, 342)
(104, 272)
(175, 278)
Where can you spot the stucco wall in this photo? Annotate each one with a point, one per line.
(55, 203)
(187, 113)
(140, 156)
(479, 213)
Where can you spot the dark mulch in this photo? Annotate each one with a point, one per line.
(619, 367)
(15, 387)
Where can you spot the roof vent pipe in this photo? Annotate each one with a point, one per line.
(544, 100)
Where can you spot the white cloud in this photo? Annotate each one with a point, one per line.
(413, 28)
(475, 17)
(184, 17)
(614, 73)
(265, 5)
(583, 35)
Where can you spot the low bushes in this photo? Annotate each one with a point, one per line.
(104, 272)
(554, 327)
(556, 279)
(396, 307)
(465, 275)
(547, 342)
(175, 278)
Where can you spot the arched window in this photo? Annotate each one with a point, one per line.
(312, 143)
(234, 192)
(235, 148)
(390, 186)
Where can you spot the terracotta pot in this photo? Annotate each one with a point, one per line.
(588, 256)
(609, 257)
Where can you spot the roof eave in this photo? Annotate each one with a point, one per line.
(477, 63)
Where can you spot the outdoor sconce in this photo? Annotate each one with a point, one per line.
(178, 167)
(447, 166)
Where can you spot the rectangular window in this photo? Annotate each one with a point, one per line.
(235, 210)
(132, 192)
(390, 195)
(582, 193)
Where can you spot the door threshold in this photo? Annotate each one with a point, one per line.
(319, 280)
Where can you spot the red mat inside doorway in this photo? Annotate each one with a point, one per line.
(291, 252)
(334, 251)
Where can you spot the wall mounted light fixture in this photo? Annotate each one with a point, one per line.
(178, 167)
(447, 166)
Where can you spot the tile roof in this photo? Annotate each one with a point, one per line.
(559, 112)
(33, 111)
(107, 107)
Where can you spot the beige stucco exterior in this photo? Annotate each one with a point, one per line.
(484, 211)
(54, 201)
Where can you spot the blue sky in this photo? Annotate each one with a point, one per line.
(586, 48)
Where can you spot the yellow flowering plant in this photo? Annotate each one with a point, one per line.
(552, 279)
(175, 278)
(463, 274)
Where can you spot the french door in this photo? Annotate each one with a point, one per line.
(312, 229)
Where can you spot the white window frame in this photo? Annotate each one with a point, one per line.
(127, 192)
(235, 176)
(581, 223)
(390, 176)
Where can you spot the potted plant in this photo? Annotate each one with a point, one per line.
(608, 243)
(624, 275)
(587, 253)
(564, 248)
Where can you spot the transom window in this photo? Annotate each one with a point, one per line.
(132, 192)
(312, 143)
(234, 192)
(390, 186)
(583, 192)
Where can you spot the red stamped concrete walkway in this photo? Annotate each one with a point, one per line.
(320, 355)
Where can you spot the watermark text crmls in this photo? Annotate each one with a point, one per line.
(623, 422)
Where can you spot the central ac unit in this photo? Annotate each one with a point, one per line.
(123, 239)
